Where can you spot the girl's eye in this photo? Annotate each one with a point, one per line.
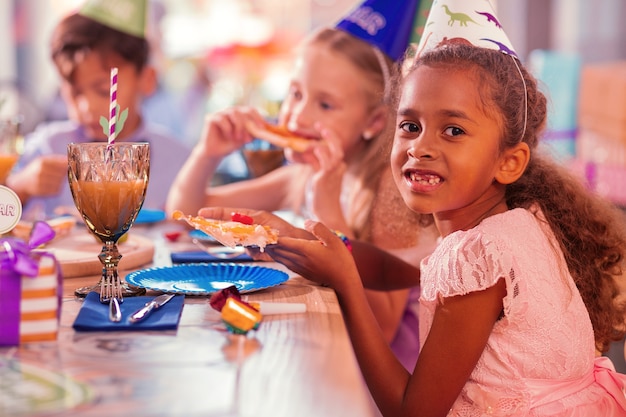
(454, 131)
(409, 127)
(294, 93)
(326, 106)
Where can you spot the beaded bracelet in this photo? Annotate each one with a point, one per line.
(344, 239)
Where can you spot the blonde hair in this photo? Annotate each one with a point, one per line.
(367, 165)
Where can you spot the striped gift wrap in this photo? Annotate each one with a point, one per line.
(30, 307)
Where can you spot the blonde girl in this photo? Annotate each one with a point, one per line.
(336, 99)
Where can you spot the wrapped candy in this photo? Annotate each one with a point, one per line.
(218, 299)
(252, 310)
(238, 316)
(30, 289)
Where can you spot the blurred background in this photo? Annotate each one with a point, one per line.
(215, 53)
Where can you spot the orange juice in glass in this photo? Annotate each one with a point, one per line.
(6, 164)
(10, 147)
(108, 184)
(109, 207)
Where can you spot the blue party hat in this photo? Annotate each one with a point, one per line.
(464, 21)
(385, 24)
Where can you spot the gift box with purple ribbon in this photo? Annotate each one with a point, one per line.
(30, 289)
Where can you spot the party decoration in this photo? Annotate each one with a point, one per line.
(128, 16)
(388, 25)
(112, 126)
(239, 317)
(218, 299)
(419, 22)
(30, 289)
(113, 105)
(10, 209)
(472, 22)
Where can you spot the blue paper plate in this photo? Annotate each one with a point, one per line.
(147, 215)
(206, 279)
(200, 235)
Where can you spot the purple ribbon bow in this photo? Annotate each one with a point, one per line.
(16, 260)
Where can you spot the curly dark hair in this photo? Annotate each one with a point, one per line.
(591, 231)
(77, 35)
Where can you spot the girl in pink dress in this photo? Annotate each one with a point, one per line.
(519, 299)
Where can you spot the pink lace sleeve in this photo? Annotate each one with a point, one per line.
(465, 262)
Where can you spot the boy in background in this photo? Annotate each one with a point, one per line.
(84, 47)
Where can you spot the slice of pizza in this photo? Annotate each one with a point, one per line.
(279, 136)
(239, 231)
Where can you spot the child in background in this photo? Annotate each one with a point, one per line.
(84, 49)
(336, 99)
(520, 297)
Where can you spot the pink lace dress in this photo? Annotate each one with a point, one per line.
(540, 358)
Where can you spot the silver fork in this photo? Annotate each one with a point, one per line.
(111, 292)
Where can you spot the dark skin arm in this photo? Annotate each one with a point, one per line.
(457, 338)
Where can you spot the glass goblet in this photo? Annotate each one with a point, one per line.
(108, 184)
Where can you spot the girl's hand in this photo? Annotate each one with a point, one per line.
(224, 132)
(285, 229)
(42, 177)
(327, 181)
(326, 260)
(329, 153)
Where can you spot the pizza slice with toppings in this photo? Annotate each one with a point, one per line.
(239, 231)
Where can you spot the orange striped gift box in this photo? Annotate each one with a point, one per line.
(39, 304)
(30, 291)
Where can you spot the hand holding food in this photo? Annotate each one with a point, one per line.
(240, 230)
(266, 218)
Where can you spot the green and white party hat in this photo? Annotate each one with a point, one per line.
(128, 16)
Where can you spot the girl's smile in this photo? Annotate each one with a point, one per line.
(422, 180)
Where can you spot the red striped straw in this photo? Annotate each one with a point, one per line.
(113, 106)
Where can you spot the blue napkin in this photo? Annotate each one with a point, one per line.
(94, 316)
(202, 256)
(147, 215)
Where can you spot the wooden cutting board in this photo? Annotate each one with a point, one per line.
(78, 253)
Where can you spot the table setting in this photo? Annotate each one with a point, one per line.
(182, 359)
(281, 349)
(122, 310)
